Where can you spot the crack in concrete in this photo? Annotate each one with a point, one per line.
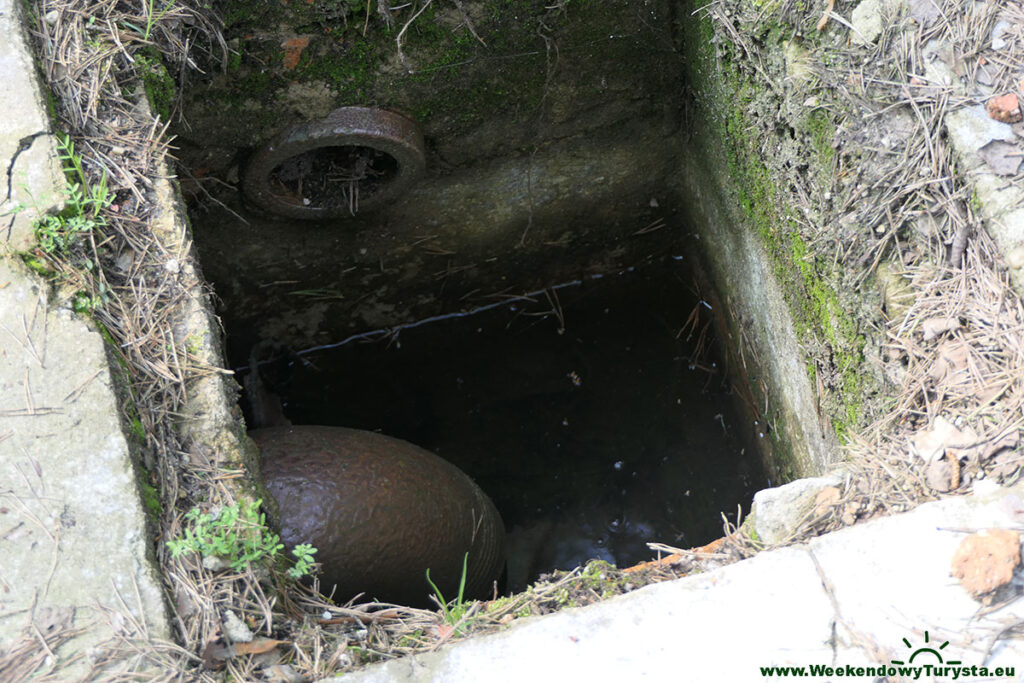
(857, 638)
(24, 144)
(833, 639)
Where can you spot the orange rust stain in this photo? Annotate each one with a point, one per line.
(293, 48)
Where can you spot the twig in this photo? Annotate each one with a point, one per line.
(401, 34)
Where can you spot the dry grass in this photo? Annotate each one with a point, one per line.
(897, 207)
(31, 655)
(954, 352)
(970, 374)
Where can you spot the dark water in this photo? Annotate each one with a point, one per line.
(594, 416)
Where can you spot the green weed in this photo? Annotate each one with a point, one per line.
(151, 18)
(303, 560)
(83, 205)
(238, 535)
(455, 611)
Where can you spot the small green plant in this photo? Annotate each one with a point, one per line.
(83, 205)
(84, 302)
(151, 18)
(238, 535)
(303, 560)
(455, 611)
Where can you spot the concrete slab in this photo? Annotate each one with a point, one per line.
(891, 579)
(846, 600)
(30, 173)
(779, 511)
(708, 627)
(71, 521)
(1000, 199)
(76, 555)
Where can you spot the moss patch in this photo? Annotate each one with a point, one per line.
(761, 166)
(150, 496)
(158, 83)
(821, 131)
(452, 81)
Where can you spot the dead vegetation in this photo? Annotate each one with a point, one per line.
(894, 214)
(952, 356)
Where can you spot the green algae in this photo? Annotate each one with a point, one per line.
(809, 283)
(452, 80)
(161, 90)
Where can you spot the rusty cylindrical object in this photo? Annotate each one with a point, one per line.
(381, 511)
(388, 135)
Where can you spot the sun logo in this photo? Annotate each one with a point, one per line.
(925, 650)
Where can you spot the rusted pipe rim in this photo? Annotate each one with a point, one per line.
(356, 159)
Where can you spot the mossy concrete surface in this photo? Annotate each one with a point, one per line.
(455, 241)
(549, 151)
(760, 321)
(545, 148)
(209, 422)
(534, 71)
(780, 305)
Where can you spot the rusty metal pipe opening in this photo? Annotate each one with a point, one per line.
(356, 159)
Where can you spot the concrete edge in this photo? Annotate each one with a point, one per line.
(79, 588)
(31, 179)
(211, 426)
(858, 597)
(997, 198)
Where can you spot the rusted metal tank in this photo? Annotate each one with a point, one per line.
(381, 511)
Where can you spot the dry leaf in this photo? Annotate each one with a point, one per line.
(257, 646)
(942, 437)
(444, 631)
(939, 475)
(990, 394)
(924, 12)
(1008, 440)
(987, 73)
(1004, 466)
(215, 654)
(964, 443)
(951, 359)
(933, 327)
(1002, 157)
(931, 443)
(825, 499)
